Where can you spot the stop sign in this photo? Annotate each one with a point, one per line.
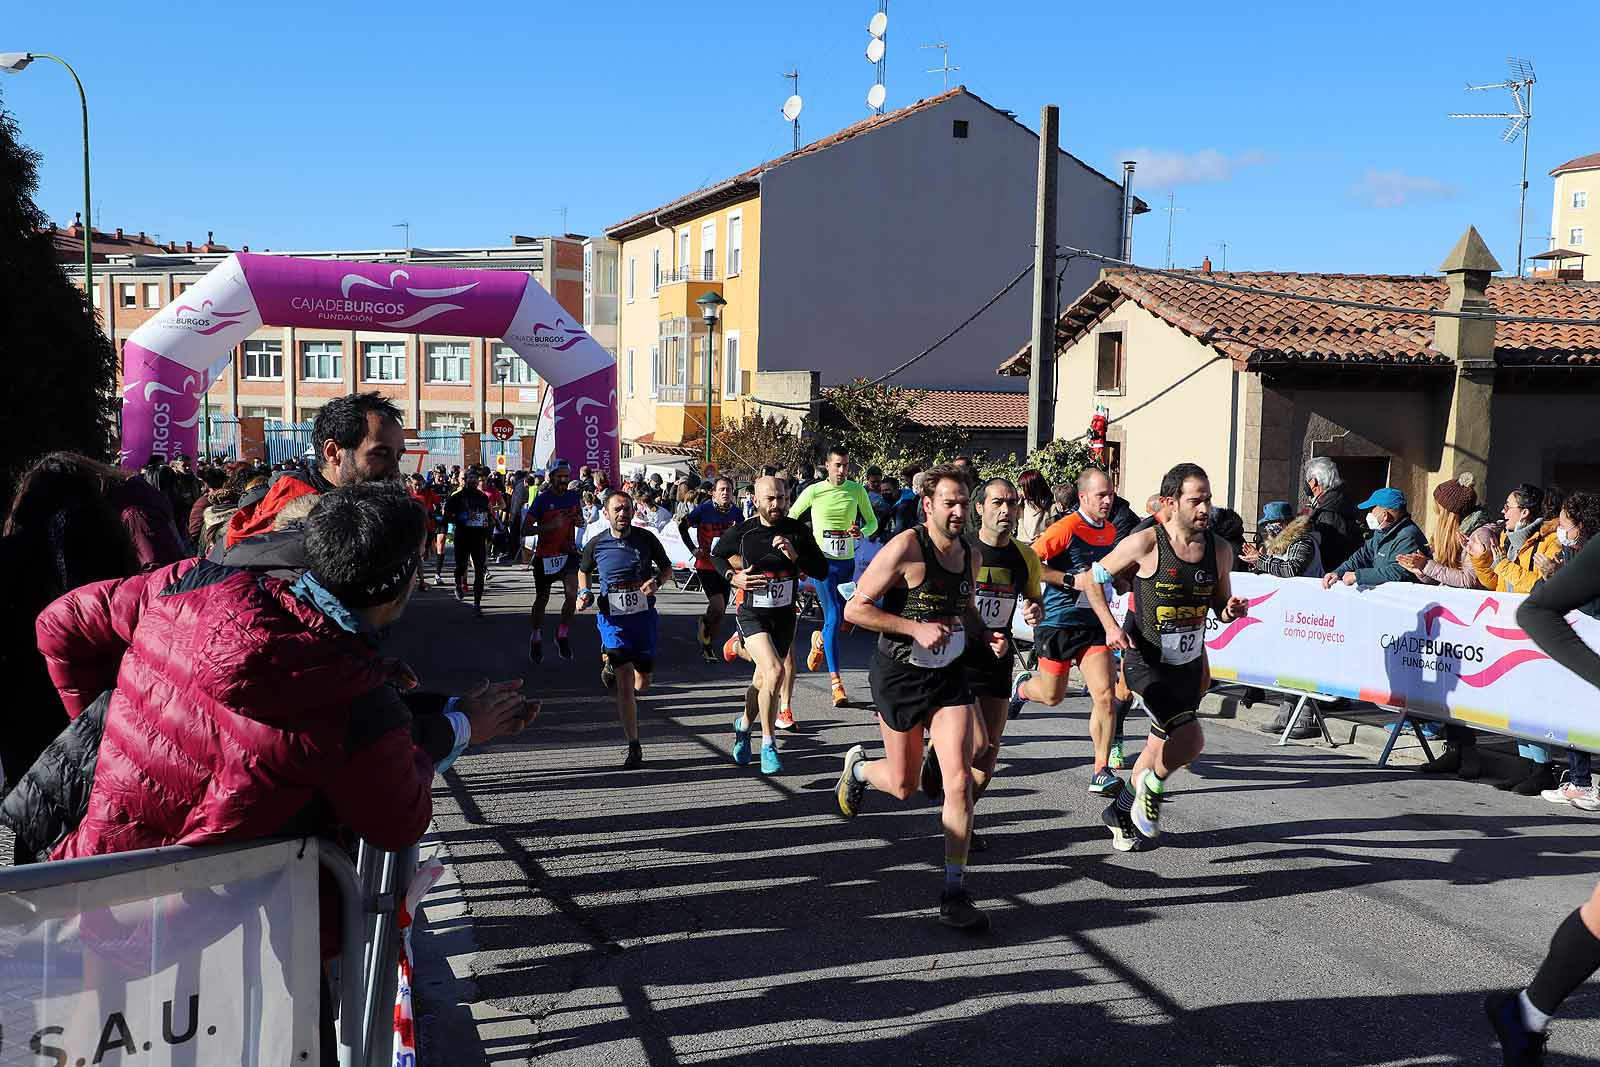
(503, 429)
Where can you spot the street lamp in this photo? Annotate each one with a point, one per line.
(502, 370)
(15, 63)
(711, 305)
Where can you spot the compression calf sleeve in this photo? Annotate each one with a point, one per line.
(1574, 955)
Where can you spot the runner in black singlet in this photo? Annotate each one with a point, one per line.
(924, 579)
(1180, 572)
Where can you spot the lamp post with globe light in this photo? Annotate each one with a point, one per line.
(711, 305)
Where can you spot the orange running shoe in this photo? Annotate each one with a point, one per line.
(730, 648)
(839, 699)
(816, 656)
(785, 720)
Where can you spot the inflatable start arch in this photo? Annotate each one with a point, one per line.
(171, 360)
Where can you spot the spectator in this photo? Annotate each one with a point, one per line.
(356, 438)
(146, 514)
(213, 478)
(591, 508)
(1394, 533)
(686, 501)
(1287, 547)
(1066, 496)
(1507, 565)
(1333, 518)
(883, 508)
(186, 488)
(1457, 521)
(1579, 523)
(1153, 506)
(804, 474)
(1124, 518)
(60, 533)
(1229, 525)
(647, 510)
(907, 511)
(969, 474)
(1036, 505)
(222, 503)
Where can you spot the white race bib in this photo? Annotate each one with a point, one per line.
(838, 544)
(627, 601)
(1182, 646)
(996, 604)
(777, 593)
(553, 564)
(953, 647)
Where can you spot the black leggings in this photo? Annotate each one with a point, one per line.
(472, 545)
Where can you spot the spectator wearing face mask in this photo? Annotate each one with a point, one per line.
(1394, 533)
(1287, 546)
(1508, 565)
(1333, 517)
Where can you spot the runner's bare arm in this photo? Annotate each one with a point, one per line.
(884, 572)
(586, 570)
(1125, 557)
(1227, 606)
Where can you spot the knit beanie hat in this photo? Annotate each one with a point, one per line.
(1458, 496)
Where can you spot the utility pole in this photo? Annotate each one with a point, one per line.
(1041, 372)
(1172, 213)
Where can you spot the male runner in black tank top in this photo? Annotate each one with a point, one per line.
(924, 578)
(1181, 573)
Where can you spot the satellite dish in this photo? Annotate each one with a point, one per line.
(791, 107)
(875, 50)
(876, 95)
(879, 23)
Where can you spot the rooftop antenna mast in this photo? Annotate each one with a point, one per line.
(877, 55)
(944, 66)
(562, 211)
(791, 106)
(1172, 213)
(1520, 86)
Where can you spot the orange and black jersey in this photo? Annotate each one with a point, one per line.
(1072, 545)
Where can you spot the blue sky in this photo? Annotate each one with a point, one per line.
(1308, 137)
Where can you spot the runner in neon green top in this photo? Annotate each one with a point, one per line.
(841, 514)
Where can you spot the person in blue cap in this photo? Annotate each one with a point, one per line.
(1286, 545)
(1394, 533)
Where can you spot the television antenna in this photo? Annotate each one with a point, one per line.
(944, 66)
(877, 55)
(791, 107)
(1172, 213)
(562, 211)
(407, 227)
(1520, 86)
(1223, 247)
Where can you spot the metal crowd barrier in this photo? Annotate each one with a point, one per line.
(370, 893)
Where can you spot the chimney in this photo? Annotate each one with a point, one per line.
(1470, 342)
(172, 246)
(188, 246)
(142, 238)
(246, 248)
(77, 223)
(1127, 209)
(52, 227)
(119, 233)
(1205, 264)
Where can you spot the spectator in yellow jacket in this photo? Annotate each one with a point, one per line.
(1508, 566)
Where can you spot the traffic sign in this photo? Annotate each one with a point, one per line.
(500, 463)
(503, 429)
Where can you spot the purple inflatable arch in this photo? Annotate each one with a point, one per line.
(171, 360)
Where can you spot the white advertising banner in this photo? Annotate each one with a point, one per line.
(1445, 653)
(212, 960)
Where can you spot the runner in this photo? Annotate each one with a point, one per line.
(555, 517)
(1520, 1018)
(467, 511)
(841, 514)
(710, 519)
(764, 558)
(1007, 571)
(1180, 570)
(1071, 632)
(924, 578)
(620, 571)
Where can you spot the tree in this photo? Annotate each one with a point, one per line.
(1062, 460)
(757, 441)
(62, 368)
(871, 422)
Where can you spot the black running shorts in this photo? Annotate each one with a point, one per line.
(907, 696)
(778, 625)
(713, 584)
(989, 675)
(1171, 694)
(542, 581)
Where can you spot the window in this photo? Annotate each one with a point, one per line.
(730, 363)
(383, 361)
(655, 271)
(308, 414)
(1575, 236)
(608, 273)
(735, 243)
(655, 369)
(152, 295)
(129, 297)
(630, 279)
(97, 296)
(447, 420)
(683, 249)
(517, 371)
(1580, 199)
(263, 362)
(958, 129)
(708, 249)
(449, 363)
(630, 372)
(271, 414)
(183, 287)
(322, 361)
(1108, 364)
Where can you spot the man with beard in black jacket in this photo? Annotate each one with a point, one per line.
(1338, 529)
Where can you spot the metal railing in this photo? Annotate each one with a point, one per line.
(684, 394)
(287, 440)
(688, 274)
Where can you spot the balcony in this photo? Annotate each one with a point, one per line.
(685, 394)
(681, 286)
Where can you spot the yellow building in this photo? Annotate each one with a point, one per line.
(1575, 219)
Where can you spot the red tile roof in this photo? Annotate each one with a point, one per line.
(69, 244)
(746, 184)
(1588, 162)
(971, 409)
(1257, 330)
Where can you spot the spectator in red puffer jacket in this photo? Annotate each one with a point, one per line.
(246, 707)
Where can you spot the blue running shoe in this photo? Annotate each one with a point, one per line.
(1520, 1046)
(1017, 699)
(741, 742)
(769, 760)
(1105, 783)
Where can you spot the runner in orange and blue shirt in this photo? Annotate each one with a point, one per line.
(1071, 632)
(709, 520)
(555, 517)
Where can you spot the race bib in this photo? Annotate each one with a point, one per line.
(626, 600)
(475, 519)
(953, 647)
(777, 593)
(1182, 646)
(838, 544)
(996, 605)
(553, 564)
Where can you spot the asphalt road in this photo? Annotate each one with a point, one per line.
(1306, 906)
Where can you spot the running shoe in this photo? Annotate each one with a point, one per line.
(1565, 792)
(635, 758)
(1147, 808)
(932, 776)
(564, 647)
(1105, 783)
(741, 742)
(535, 649)
(957, 910)
(1125, 837)
(815, 657)
(461, 590)
(730, 649)
(770, 764)
(708, 654)
(1587, 799)
(849, 791)
(1017, 699)
(785, 719)
(839, 698)
(608, 672)
(1117, 761)
(1520, 1046)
